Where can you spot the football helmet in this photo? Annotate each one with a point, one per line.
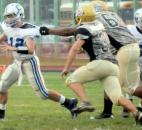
(87, 12)
(138, 18)
(13, 13)
(84, 13)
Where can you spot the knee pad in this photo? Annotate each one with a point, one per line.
(70, 80)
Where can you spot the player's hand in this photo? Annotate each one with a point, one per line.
(64, 73)
(44, 30)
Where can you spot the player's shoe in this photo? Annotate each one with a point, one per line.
(104, 115)
(125, 113)
(72, 104)
(138, 118)
(85, 107)
(139, 109)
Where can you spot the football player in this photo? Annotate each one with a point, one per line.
(19, 37)
(136, 30)
(93, 37)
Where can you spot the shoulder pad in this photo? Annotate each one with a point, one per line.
(28, 25)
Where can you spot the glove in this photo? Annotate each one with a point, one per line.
(44, 30)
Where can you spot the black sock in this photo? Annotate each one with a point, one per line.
(2, 113)
(67, 102)
(107, 106)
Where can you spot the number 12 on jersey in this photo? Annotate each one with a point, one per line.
(18, 42)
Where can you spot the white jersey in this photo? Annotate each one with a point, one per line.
(134, 30)
(16, 37)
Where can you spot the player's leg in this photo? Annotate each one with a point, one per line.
(9, 77)
(107, 110)
(139, 107)
(113, 90)
(128, 77)
(94, 70)
(128, 57)
(129, 69)
(85, 103)
(32, 70)
(126, 112)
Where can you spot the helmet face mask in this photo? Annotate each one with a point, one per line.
(138, 18)
(78, 15)
(13, 14)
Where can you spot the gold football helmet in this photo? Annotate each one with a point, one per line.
(87, 12)
(84, 13)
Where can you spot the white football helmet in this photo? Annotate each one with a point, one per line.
(138, 18)
(13, 13)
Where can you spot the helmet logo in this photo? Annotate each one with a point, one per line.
(18, 9)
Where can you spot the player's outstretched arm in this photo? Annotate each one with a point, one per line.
(68, 31)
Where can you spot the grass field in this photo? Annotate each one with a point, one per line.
(25, 111)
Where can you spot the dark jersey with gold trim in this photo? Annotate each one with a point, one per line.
(97, 43)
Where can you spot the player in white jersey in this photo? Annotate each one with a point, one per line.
(19, 37)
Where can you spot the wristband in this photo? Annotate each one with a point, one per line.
(44, 30)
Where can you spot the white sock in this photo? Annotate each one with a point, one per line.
(2, 106)
(62, 99)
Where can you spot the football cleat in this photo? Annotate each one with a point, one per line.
(72, 104)
(139, 109)
(138, 118)
(104, 115)
(85, 107)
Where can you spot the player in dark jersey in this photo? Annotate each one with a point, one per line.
(112, 22)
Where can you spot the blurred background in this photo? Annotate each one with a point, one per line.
(52, 50)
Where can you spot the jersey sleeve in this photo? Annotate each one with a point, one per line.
(31, 32)
(82, 33)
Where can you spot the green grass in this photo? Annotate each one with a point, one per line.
(25, 111)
